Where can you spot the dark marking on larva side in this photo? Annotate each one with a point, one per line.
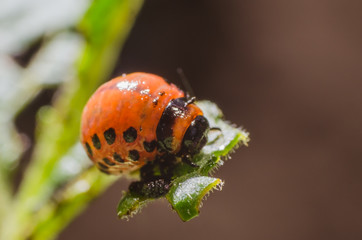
(174, 109)
(150, 146)
(103, 166)
(134, 155)
(155, 102)
(108, 162)
(118, 158)
(130, 134)
(110, 136)
(161, 93)
(89, 149)
(96, 141)
(104, 171)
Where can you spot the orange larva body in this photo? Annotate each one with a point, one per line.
(120, 120)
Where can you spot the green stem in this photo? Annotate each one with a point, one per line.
(5, 198)
(106, 26)
(69, 203)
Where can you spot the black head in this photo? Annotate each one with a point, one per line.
(195, 137)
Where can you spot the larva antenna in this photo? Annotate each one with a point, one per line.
(185, 82)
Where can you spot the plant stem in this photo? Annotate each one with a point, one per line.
(105, 26)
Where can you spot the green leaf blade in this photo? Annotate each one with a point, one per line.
(131, 204)
(186, 196)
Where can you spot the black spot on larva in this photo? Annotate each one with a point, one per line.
(96, 141)
(110, 136)
(117, 158)
(108, 162)
(89, 149)
(104, 171)
(103, 166)
(130, 135)
(161, 93)
(134, 155)
(150, 146)
(155, 102)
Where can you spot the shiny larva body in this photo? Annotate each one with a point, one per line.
(134, 118)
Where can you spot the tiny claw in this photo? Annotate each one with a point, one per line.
(215, 129)
(191, 100)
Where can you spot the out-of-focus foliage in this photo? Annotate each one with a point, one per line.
(78, 43)
(72, 46)
(190, 184)
(22, 23)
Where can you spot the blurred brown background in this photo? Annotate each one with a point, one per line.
(290, 72)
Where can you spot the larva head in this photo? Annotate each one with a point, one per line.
(195, 137)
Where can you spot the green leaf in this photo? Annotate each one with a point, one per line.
(186, 197)
(190, 184)
(131, 204)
